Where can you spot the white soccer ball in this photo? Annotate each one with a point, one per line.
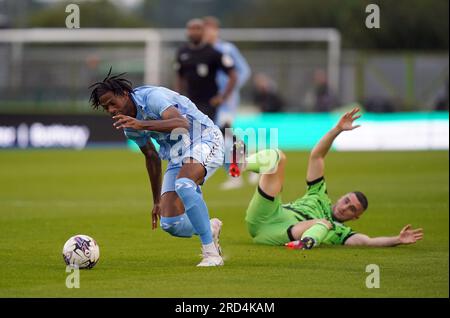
(81, 251)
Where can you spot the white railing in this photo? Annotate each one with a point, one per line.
(152, 39)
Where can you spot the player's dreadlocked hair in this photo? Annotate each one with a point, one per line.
(111, 83)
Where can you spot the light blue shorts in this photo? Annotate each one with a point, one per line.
(209, 151)
(226, 112)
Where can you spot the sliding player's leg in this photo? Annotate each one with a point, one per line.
(270, 163)
(308, 234)
(267, 223)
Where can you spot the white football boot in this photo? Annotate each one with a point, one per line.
(216, 227)
(212, 257)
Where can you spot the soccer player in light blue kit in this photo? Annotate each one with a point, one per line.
(228, 108)
(188, 139)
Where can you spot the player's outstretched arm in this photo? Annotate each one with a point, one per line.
(153, 165)
(316, 165)
(171, 119)
(407, 236)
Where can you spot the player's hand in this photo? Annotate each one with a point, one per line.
(409, 236)
(123, 121)
(346, 121)
(216, 101)
(156, 214)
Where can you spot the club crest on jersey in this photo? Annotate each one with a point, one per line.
(227, 60)
(202, 70)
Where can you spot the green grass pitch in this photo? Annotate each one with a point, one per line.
(48, 196)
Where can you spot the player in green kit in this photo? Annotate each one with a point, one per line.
(311, 219)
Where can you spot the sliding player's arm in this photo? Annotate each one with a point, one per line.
(153, 165)
(170, 120)
(407, 236)
(316, 165)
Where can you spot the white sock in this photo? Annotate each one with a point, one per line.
(210, 249)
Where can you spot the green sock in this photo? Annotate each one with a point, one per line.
(263, 161)
(318, 232)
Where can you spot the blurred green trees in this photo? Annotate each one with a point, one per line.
(405, 24)
(93, 14)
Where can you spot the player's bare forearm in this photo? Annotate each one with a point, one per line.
(165, 125)
(384, 241)
(364, 240)
(153, 165)
(344, 123)
(321, 149)
(154, 172)
(231, 84)
(316, 165)
(170, 119)
(221, 98)
(407, 235)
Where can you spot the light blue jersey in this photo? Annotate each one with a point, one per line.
(203, 143)
(240, 64)
(228, 109)
(151, 102)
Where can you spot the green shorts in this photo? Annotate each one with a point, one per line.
(267, 221)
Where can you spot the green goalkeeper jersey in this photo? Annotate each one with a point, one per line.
(316, 204)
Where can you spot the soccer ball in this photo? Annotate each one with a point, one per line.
(81, 251)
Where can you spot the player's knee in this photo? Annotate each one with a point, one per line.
(178, 226)
(186, 190)
(282, 155)
(185, 186)
(173, 230)
(166, 227)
